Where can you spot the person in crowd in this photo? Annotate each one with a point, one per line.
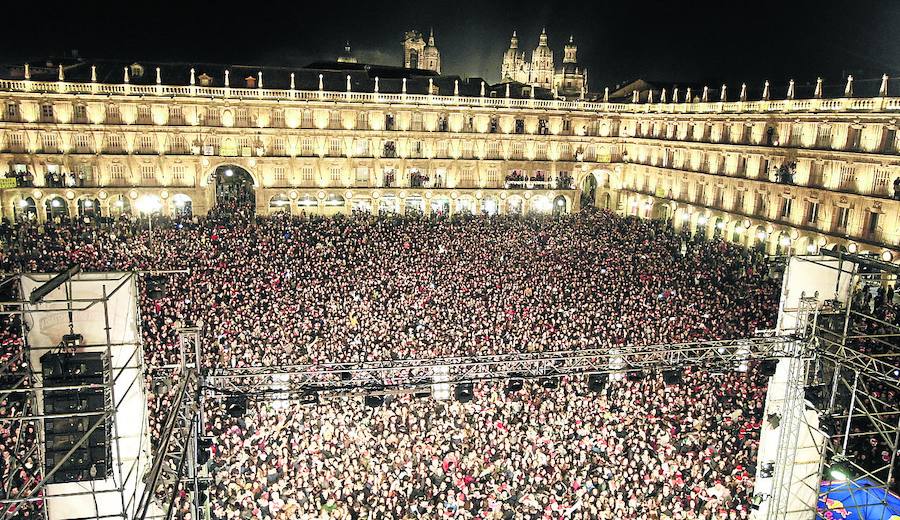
(285, 290)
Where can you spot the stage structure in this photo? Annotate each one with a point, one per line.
(819, 407)
(82, 394)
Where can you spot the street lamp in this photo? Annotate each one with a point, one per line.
(149, 205)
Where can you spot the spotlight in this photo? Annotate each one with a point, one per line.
(828, 425)
(839, 469)
(672, 377)
(229, 172)
(597, 382)
(463, 392)
(767, 367)
(514, 384)
(236, 405)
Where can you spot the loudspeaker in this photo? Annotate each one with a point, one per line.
(767, 367)
(672, 377)
(463, 392)
(91, 459)
(374, 401)
(597, 382)
(634, 375)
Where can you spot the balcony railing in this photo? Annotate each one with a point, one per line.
(879, 104)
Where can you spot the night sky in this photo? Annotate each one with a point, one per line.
(685, 41)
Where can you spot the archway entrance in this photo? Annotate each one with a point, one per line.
(234, 188)
(589, 191)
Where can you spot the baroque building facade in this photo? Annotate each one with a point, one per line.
(569, 79)
(419, 54)
(786, 176)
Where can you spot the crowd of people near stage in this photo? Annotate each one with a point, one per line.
(287, 290)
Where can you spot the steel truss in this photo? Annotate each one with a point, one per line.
(298, 381)
(27, 383)
(857, 362)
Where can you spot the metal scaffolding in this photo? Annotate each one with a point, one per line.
(22, 380)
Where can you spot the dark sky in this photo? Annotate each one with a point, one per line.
(673, 40)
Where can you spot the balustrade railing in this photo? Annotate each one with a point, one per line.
(127, 89)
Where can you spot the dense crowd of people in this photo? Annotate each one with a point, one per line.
(284, 290)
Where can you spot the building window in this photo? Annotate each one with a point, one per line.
(178, 173)
(848, 178)
(143, 115)
(880, 179)
(113, 116)
(785, 211)
(12, 111)
(47, 112)
(82, 143)
(148, 171)
(146, 144)
(278, 173)
(872, 224)
(812, 212)
(307, 176)
(242, 118)
(306, 146)
(278, 119)
(175, 115)
(117, 172)
(278, 146)
(842, 218)
(823, 137)
(334, 147)
(49, 143)
(80, 114)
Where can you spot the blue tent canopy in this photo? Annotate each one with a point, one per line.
(856, 500)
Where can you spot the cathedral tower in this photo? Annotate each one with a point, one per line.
(542, 64)
(420, 55)
(514, 67)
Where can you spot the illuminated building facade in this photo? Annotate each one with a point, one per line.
(786, 175)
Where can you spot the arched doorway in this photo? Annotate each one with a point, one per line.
(89, 209)
(56, 208)
(589, 191)
(661, 212)
(560, 207)
(25, 209)
(182, 206)
(119, 206)
(234, 187)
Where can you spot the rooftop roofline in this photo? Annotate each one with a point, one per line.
(687, 105)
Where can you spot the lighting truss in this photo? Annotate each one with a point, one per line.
(295, 381)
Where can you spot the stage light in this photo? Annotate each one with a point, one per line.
(702, 220)
(236, 405)
(463, 392)
(768, 366)
(685, 216)
(720, 225)
(88, 203)
(514, 384)
(597, 382)
(839, 469)
(560, 202)
(23, 203)
(229, 172)
(55, 203)
(811, 249)
(672, 377)
(120, 203)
